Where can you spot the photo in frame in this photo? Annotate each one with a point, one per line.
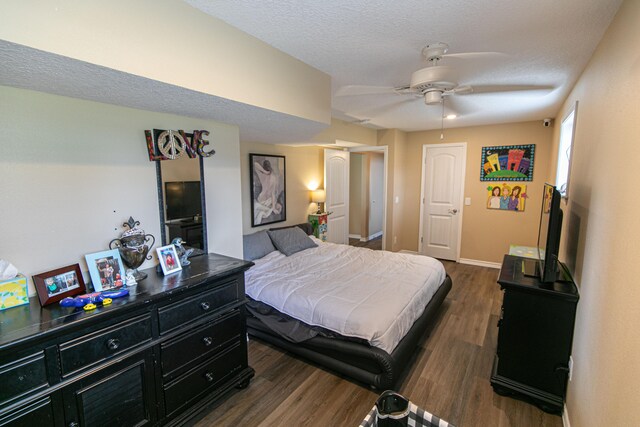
(268, 190)
(507, 163)
(106, 270)
(54, 285)
(169, 260)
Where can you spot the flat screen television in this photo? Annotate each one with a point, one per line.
(182, 199)
(546, 268)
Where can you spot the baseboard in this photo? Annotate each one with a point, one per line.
(405, 251)
(375, 235)
(480, 263)
(365, 239)
(565, 417)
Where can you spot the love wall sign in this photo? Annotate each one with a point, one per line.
(170, 144)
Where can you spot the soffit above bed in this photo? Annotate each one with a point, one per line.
(126, 53)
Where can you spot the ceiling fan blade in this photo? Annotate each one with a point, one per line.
(507, 88)
(475, 55)
(356, 90)
(460, 89)
(383, 109)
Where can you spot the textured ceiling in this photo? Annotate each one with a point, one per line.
(379, 42)
(29, 68)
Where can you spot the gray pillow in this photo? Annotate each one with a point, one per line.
(291, 240)
(257, 245)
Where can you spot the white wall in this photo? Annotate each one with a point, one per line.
(73, 171)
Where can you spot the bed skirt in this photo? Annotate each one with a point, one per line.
(363, 363)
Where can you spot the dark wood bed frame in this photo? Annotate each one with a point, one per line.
(369, 365)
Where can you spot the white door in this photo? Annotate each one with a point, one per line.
(336, 185)
(443, 170)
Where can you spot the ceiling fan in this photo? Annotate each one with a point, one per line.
(435, 82)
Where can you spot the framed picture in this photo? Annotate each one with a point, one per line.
(507, 163)
(55, 285)
(106, 270)
(507, 197)
(169, 260)
(268, 192)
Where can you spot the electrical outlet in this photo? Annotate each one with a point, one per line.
(570, 367)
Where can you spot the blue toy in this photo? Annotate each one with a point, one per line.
(87, 300)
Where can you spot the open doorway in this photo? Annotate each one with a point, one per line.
(367, 198)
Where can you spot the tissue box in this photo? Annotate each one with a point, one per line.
(13, 292)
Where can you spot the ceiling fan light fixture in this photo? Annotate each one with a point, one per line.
(433, 97)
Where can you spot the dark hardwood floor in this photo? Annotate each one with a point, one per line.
(449, 375)
(375, 244)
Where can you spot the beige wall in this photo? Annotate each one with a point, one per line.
(355, 194)
(304, 166)
(345, 131)
(601, 227)
(486, 234)
(395, 141)
(73, 171)
(171, 42)
(376, 193)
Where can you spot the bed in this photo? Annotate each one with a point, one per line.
(352, 310)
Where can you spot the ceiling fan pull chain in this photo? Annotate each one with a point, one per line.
(442, 121)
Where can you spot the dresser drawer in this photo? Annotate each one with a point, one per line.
(87, 350)
(206, 376)
(197, 306)
(22, 376)
(201, 343)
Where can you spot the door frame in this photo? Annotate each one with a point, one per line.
(385, 153)
(422, 195)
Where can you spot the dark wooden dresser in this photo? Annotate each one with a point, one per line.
(159, 356)
(534, 338)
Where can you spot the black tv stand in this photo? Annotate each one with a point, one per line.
(531, 267)
(534, 337)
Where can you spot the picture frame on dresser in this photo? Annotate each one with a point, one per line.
(106, 270)
(169, 260)
(54, 285)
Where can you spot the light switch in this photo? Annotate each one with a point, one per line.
(397, 199)
(467, 201)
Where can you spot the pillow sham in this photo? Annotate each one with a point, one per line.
(291, 240)
(257, 245)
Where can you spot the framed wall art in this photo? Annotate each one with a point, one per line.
(169, 261)
(507, 197)
(54, 285)
(106, 270)
(268, 192)
(507, 163)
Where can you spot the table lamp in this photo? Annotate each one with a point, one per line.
(318, 196)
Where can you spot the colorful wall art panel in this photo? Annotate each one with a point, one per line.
(507, 197)
(507, 163)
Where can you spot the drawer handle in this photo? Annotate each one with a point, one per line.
(209, 376)
(113, 344)
(74, 424)
(205, 306)
(207, 341)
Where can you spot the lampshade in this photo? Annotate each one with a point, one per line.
(318, 196)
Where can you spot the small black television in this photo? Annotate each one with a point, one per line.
(182, 199)
(546, 268)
